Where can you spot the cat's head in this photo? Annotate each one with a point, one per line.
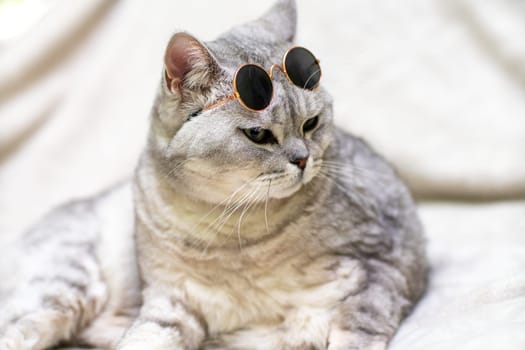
(212, 153)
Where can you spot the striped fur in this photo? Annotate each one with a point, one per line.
(219, 243)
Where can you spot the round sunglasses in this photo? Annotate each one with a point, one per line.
(253, 87)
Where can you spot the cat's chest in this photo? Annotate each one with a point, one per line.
(259, 294)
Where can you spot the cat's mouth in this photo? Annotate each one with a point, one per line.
(291, 183)
(284, 191)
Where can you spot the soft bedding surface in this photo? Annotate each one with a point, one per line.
(437, 86)
(476, 295)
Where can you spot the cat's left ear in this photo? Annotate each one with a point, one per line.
(278, 24)
(188, 64)
(281, 20)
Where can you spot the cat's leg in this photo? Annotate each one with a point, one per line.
(49, 310)
(356, 340)
(58, 287)
(299, 332)
(368, 320)
(371, 305)
(106, 330)
(165, 322)
(360, 326)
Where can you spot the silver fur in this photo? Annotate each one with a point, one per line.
(228, 245)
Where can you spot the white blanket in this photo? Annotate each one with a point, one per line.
(476, 295)
(438, 86)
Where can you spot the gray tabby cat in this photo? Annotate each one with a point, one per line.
(226, 243)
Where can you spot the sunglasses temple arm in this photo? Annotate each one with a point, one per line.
(221, 102)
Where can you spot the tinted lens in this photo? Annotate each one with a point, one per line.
(254, 87)
(302, 68)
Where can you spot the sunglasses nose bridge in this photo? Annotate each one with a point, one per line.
(275, 66)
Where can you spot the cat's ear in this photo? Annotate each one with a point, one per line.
(278, 24)
(281, 19)
(188, 64)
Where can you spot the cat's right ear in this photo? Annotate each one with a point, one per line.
(188, 64)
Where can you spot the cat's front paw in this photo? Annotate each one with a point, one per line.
(152, 336)
(13, 339)
(151, 343)
(348, 340)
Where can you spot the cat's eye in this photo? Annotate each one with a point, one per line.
(310, 124)
(260, 135)
(194, 114)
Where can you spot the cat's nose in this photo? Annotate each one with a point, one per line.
(300, 161)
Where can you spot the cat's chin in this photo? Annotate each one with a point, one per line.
(280, 193)
(288, 191)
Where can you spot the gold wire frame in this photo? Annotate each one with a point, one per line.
(282, 68)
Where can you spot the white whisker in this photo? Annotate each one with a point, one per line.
(177, 167)
(226, 202)
(356, 197)
(310, 77)
(247, 207)
(227, 213)
(266, 207)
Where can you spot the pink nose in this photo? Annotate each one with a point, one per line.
(300, 162)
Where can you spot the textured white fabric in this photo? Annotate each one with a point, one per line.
(437, 86)
(476, 294)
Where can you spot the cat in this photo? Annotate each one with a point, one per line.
(223, 239)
